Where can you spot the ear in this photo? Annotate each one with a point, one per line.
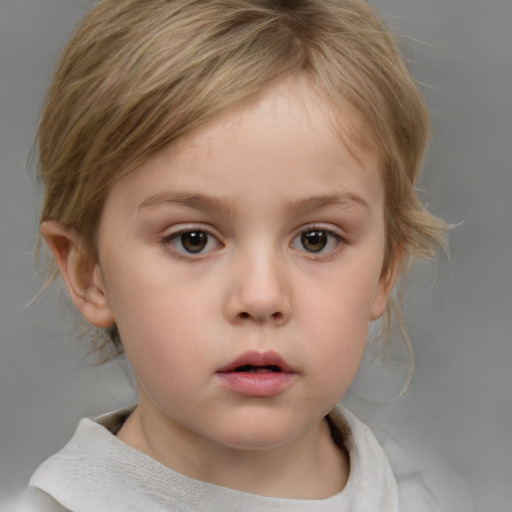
(84, 280)
(386, 282)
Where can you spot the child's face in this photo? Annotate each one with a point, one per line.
(258, 240)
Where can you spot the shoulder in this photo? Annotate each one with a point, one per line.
(36, 500)
(425, 483)
(88, 463)
(371, 484)
(357, 438)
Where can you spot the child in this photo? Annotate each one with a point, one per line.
(229, 196)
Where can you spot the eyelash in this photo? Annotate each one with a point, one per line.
(328, 236)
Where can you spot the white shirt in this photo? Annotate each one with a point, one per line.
(97, 472)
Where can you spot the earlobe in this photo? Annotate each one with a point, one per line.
(83, 279)
(386, 283)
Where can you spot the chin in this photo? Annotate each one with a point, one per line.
(258, 436)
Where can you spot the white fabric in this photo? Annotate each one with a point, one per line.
(36, 500)
(97, 472)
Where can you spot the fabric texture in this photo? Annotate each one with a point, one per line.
(97, 472)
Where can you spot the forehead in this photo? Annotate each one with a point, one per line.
(301, 102)
(287, 132)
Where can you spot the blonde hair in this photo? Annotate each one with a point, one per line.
(138, 75)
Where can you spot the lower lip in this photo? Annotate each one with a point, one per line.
(256, 384)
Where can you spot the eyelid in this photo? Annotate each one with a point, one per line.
(319, 226)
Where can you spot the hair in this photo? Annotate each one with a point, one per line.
(139, 75)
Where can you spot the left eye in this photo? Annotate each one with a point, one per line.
(316, 241)
(194, 241)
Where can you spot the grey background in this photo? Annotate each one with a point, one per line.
(456, 417)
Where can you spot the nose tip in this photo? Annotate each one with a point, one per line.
(259, 294)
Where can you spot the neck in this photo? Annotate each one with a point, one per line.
(310, 466)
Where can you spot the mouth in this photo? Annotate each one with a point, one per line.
(257, 374)
(249, 368)
(258, 362)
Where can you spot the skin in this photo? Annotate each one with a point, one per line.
(254, 183)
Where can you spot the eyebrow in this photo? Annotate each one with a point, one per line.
(227, 206)
(347, 199)
(196, 201)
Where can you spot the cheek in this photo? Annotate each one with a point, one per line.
(336, 348)
(158, 321)
(336, 318)
(343, 303)
(161, 323)
(166, 350)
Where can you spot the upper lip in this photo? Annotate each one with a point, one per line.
(255, 358)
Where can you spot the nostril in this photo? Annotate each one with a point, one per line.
(275, 316)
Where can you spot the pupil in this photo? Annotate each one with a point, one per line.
(314, 241)
(194, 241)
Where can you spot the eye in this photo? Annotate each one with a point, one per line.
(193, 241)
(316, 240)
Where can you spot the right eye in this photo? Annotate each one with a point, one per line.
(192, 241)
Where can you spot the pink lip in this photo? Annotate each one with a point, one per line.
(257, 383)
(255, 358)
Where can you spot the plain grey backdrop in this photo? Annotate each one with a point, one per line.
(457, 414)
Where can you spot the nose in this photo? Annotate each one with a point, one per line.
(258, 291)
